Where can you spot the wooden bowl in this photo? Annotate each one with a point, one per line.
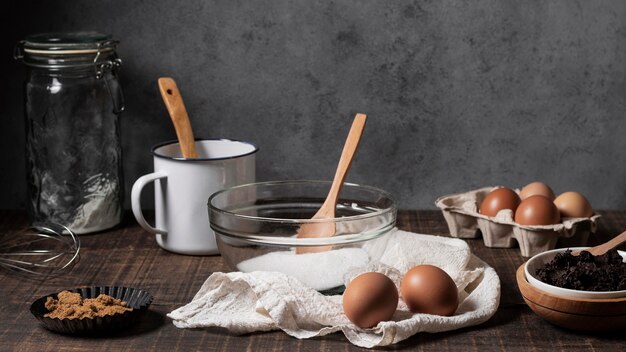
(581, 314)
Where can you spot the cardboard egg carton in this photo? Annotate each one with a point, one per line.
(461, 213)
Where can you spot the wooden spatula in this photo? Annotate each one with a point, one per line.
(606, 246)
(327, 211)
(178, 113)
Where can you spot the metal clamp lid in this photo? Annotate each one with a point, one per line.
(68, 43)
(113, 64)
(76, 50)
(66, 50)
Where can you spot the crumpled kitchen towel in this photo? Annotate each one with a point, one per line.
(263, 301)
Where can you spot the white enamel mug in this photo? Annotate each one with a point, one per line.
(183, 186)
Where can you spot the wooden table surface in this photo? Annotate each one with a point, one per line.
(129, 256)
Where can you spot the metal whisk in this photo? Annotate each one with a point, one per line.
(40, 250)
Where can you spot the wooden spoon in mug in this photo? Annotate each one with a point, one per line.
(327, 210)
(606, 246)
(178, 113)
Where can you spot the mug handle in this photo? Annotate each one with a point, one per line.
(135, 197)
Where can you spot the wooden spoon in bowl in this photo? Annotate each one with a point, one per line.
(178, 113)
(606, 246)
(327, 210)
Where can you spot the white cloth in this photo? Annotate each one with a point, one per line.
(263, 301)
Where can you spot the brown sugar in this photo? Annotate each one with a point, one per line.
(71, 305)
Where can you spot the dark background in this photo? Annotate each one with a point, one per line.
(460, 94)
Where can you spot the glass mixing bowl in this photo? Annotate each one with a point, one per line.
(256, 227)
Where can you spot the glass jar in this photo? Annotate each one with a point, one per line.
(73, 100)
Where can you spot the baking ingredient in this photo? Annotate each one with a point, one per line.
(74, 160)
(85, 206)
(537, 210)
(586, 272)
(100, 207)
(70, 305)
(369, 299)
(330, 267)
(573, 205)
(536, 188)
(498, 199)
(428, 289)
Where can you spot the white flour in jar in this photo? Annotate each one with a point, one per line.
(101, 210)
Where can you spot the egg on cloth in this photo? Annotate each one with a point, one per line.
(537, 210)
(369, 299)
(499, 199)
(428, 289)
(536, 188)
(573, 205)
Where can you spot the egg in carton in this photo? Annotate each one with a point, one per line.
(461, 213)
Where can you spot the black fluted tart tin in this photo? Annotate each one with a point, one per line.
(137, 299)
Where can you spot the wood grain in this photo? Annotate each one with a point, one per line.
(582, 314)
(606, 246)
(130, 256)
(178, 113)
(328, 208)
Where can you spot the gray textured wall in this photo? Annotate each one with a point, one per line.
(460, 94)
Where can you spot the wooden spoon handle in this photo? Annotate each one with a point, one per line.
(178, 113)
(349, 150)
(607, 246)
(327, 210)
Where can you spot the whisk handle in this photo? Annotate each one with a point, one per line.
(135, 198)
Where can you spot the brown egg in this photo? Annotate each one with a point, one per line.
(498, 199)
(536, 188)
(428, 289)
(369, 299)
(573, 205)
(537, 210)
